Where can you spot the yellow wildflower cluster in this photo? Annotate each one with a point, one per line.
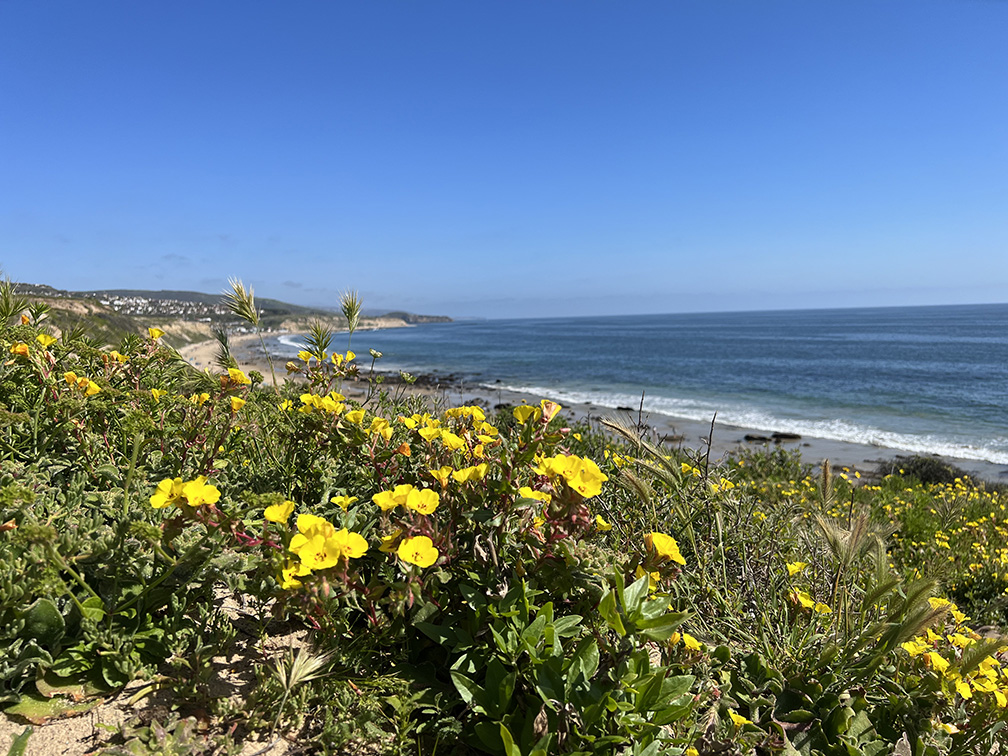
(79, 382)
(943, 653)
(319, 545)
(545, 412)
(330, 404)
(581, 474)
(173, 491)
(421, 500)
(803, 599)
(470, 434)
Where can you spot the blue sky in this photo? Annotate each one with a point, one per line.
(501, 159)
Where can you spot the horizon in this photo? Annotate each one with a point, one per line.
(380, 312)
(512, 160)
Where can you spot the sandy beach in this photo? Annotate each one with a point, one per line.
(679, 432)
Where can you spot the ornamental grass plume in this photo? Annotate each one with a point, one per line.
(350, 303)
(241, 302)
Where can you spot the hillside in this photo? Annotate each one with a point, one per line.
(185, 316)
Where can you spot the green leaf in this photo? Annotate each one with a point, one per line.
(43, 622)
(19, 743)
(584, 662)
(532, 635)
(510, 748)
(661, 628)
(39, 710)
(470, 692)
(633, 597)
(567, 626)
(93, 608)
(609, 612)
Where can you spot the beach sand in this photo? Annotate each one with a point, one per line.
(680, 433)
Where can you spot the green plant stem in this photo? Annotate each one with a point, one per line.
(268, 358)
(137, 441)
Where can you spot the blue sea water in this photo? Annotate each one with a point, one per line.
(919, 379)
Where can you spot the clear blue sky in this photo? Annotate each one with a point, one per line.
(502, 159)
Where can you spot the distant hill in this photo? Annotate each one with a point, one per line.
(186, 315)
(414, 319)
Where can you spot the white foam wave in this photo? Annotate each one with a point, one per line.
(294, 340)
(995, 451)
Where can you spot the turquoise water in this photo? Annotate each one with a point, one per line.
(920, 379)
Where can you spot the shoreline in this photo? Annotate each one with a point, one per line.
(683, 433)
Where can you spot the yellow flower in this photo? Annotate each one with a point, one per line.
(451, 441)
(92, 388)
(936, 661)
(419, 550)
(478, 472)
(949, 729)
(527, 493)
(286, 405)
(807, 602)
(169, 491)
(157, 394)
(350, 545)
(914, 647)
(315, 552)
(429, 434)
(524, 412)
(155, 333)
(237, 376)
(793, 568)
(664, 546)
(389, 542)
(304, 355)
(602, 524)
(442, 475)
(20, 349)
(237, 403)
(738, 720)
(197, 492)
(355, 416)
(422, 500)
(692, 644)
(120, 358)
(290, 573)
(70, 377)
(549, 410)
(963, 689)
(45, 340)
(343, 501)
(387, 500)
(279, 512)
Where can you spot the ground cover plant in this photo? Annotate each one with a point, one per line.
(473, 582)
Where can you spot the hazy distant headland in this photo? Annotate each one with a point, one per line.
(190, 316)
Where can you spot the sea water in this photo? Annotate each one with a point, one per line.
(918, 379)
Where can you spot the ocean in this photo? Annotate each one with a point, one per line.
(917, 379)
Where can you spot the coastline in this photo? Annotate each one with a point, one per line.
(682, 433)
